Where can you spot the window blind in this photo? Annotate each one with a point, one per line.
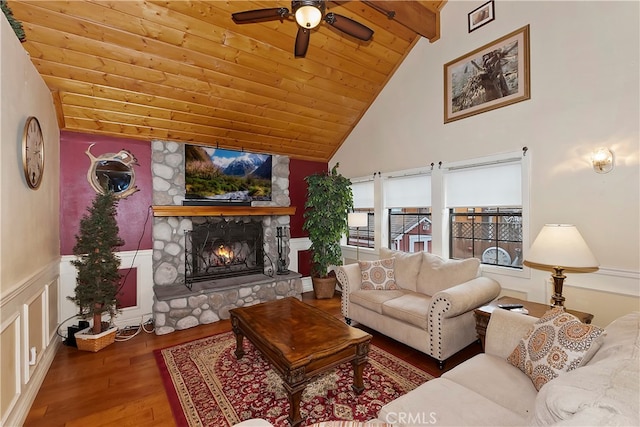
(489, 185)
(413, 191)
(362, 194)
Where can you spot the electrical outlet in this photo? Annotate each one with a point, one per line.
(32, 356)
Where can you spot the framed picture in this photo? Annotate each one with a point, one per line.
(481, 16)
(490, 77)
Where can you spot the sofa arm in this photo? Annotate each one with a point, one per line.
(505, 330)
(464, 297)
(350, 278)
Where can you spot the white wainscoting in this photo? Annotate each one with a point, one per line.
(296, 245)
(22, 374)
(131, 316)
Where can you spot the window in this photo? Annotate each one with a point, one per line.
(363, 202)
(494, 235)
(485, 212)
(410, 229)
(407, 199)
(362, 236)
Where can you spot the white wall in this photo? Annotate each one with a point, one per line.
(29, 236)
(584, 94)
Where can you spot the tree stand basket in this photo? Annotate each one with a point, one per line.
(325, 287)
(94, 343)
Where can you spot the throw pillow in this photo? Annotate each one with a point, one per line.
(407, 267)
(556, 343)
(378, 274)
(437, 274)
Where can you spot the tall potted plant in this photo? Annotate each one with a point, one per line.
(97, 267)
(329, 199)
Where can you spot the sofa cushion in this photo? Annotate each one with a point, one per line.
(620, 338)
(505, 330)
(437, 274)
(374, 299)
(498, 381)
(443, 402)
(555, 344)
(601, 393)
(411, 308)
(378, 274)
(407, 267)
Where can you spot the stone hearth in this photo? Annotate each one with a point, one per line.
(177, 307)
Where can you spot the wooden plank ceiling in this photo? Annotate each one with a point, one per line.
(184, 71)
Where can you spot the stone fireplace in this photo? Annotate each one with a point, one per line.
(208, 260)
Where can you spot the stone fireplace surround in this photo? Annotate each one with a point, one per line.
(176, 307)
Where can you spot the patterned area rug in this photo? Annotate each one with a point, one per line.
(208, 386)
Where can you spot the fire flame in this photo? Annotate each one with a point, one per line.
(225, 254)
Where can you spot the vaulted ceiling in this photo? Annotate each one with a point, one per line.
(184, 71)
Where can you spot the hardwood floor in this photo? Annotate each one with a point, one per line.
(121, 385)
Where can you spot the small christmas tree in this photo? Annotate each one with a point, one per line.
(97, 265)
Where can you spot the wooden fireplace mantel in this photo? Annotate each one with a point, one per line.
(222, 210)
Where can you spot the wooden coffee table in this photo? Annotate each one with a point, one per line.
(300, 342)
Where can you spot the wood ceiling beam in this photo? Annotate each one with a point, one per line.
(418, 16)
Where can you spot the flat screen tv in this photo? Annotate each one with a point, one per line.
(218, 175)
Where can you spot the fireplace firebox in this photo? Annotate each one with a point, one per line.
(221, 248)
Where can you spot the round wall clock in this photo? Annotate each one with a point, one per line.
(33, 152)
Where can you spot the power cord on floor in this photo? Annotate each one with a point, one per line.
(128, 332)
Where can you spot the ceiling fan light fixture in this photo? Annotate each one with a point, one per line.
(308, 13)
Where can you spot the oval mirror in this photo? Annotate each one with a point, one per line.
(112, 172)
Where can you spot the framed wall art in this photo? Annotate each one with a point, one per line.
(490, 77)
(481, 16)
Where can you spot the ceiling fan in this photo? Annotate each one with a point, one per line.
(308, 15)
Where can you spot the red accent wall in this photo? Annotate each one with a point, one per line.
(128, 292)
(76, 194)
(298, 170)
(304, 263)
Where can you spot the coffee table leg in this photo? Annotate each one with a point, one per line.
(239, 337)
(358, 366)
(295, 395)
(294, 381)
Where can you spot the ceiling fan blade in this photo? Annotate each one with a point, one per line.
(349, 26)
(260, 15)
(302, 42)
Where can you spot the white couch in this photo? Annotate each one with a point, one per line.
(488, 390)
(432, 311)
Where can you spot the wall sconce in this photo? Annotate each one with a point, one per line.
(602, 160)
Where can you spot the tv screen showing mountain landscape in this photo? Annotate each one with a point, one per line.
(226, 175)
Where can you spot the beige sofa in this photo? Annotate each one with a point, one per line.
(488, 390)
(432, 308)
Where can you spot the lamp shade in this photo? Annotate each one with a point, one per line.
(561, 245)
(357, 219)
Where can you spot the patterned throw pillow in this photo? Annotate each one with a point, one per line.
(378, 274)
(556, 343)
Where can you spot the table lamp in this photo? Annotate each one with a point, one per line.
(357, 220)
(559, 247)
